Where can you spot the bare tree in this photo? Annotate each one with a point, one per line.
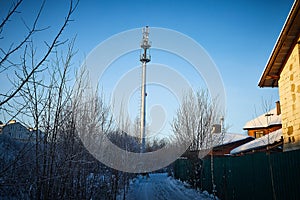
(29, 96)
(194, 122)
(195, 118)
(54, 163)
(267, 105)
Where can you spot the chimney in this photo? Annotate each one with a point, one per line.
(278, 109)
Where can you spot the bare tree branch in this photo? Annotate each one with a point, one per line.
(54, 44)
(10, 13)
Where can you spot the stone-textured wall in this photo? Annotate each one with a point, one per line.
(289, 92)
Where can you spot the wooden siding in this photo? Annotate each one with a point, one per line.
(251, 132)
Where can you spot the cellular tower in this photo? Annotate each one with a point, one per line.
(144, 58)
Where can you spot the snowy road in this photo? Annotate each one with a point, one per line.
(161, 187)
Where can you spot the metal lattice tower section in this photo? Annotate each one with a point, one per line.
(144, 58)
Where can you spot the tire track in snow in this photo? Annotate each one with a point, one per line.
(162, 187)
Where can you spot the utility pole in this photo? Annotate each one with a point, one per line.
(144, 58)
(269, 156)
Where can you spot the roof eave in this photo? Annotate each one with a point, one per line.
(277, 49)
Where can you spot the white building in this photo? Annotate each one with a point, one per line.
(17, 131)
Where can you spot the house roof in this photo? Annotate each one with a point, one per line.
(286, 41)
(228, 138)
(259, 142)
(265, 120)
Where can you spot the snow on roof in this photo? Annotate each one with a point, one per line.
(259, 142)
(228, 138)
(264, 120)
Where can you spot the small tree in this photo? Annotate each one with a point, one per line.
(194, 120)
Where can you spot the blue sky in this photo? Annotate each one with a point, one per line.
(237, 34)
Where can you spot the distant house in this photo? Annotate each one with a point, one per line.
(222, 145)
(17, 131)
(1, 126)
(283, 71)
(271, 142)
(264, 124)
(227, 142)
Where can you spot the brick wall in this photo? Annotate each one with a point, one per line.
(289, 92)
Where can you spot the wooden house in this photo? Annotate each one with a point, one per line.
(228, 142)
(265, 123)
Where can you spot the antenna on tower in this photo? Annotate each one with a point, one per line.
(145, 45)
(144, 58)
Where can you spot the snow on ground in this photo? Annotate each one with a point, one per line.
(161, 187)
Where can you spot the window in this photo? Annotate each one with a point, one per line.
(259, 134)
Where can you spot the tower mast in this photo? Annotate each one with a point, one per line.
(144, 58)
